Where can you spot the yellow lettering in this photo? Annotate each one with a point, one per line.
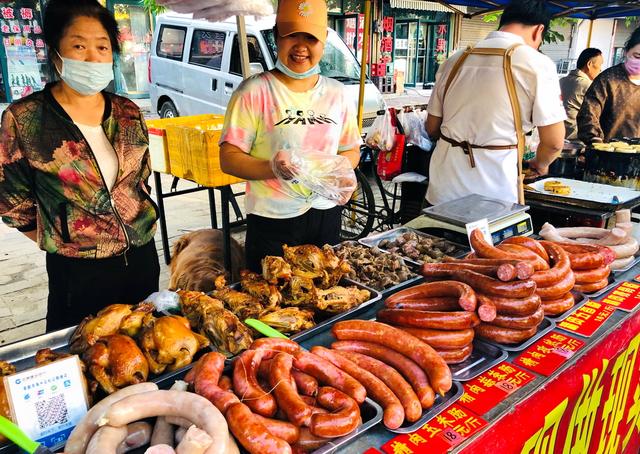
(544, 440)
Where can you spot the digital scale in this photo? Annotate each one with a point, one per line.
(449, 219)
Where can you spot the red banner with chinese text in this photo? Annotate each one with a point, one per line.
(592, 407)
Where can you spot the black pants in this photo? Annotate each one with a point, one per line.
(265, 236)
(80, 287)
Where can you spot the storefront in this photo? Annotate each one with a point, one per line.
(345, 17)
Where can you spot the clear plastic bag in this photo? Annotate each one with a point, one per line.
(381, 136)
(329, 176)
(218, 10)
(415, 130)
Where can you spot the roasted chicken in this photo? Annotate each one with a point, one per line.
(5, 369)
(110, 320)
(47, 355)
(115, 362)
(241, 304)
(275, 269)
(340, 299)
(168, 342)
(256, 286)
(321, 265)
(289, 319)
(209, 317)
(301, 291)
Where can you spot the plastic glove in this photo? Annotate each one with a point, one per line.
(282, 166)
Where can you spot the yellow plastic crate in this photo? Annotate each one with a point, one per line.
(158, 145)
(194, 153)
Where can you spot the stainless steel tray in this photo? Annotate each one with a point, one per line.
(483, 358)
(633, 263)
(391, 290)
(392, 234)
(22, 354)
(440, 404)
(370, 412)
(580, 300)
(544, 327)
(612, 283)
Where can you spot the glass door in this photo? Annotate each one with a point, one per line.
(406, 50)
(423, 38)
(132, 77)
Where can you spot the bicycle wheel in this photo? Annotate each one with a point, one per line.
(358, 214)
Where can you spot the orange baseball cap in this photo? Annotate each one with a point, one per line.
(302, 16)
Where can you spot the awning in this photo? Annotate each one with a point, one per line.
(592, 9)
(424, 6)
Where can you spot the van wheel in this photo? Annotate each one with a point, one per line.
(168, 110)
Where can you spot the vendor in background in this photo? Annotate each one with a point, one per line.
(74, 163)
(575, 85)
(473, 110)
(291, 108)
(611, 107)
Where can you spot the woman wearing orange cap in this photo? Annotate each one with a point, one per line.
(291, 109)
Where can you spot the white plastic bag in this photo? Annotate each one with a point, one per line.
(381, 136)
(218, 10)
(164, 300)
(329, 176)
(413, 124)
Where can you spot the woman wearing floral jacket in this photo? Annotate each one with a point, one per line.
(74, 163)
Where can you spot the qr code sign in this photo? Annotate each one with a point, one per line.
(52, 411)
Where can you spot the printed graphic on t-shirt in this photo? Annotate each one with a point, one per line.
(300, 117)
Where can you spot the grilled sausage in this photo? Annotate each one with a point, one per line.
(424, 319)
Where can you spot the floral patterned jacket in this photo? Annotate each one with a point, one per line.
(50, 179)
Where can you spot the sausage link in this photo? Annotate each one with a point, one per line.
(225, 383)
(524, 269)
(561, 266)
(520, 322)
(592, 276)
(538, 262)
(504, 272)
(558, 289)
(442, 339)
(591, 288)
(503, 335)
(106, 439)
(529, 243)
(508, 251)
(488, 285)
(308, 442)
(252, 434)
(306, 384)
(205, 376)
(402, 342)
(619, 264)
(246, 386)
(426, 319)
(487, 311)
(195, 441)
(287, 396)
(275, 343)
(344, 416)
(281, 429)
(392, 378)
(414, 374)
(328, 374)
(138, 435)
(434, 303)
(581, 255)
(512, 306)
(376, 388)
(465, 294)
(555, 307)
(457, 356)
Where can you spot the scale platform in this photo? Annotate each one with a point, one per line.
(449, 219)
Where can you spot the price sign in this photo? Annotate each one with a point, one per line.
(549, 353)
(587, 319)
(48, 401)
(483, 225)
(625, 296)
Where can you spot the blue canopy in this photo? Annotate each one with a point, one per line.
(592, 9)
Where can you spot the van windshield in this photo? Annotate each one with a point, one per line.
(338, 62)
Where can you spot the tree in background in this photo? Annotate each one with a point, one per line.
(551, 36)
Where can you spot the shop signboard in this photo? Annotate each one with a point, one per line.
(587, 319)
(591, 407)
(23, 69)
(625, 296)
(549, 353)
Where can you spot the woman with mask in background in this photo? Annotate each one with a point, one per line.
(289, 109)
(611, 107)
(74, 163)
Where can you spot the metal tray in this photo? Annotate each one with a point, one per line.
(580, 300)
(391, 290)
(544, 327)
(22, 354)
(483, 358)
(585, 194)
(370, 412)
(392, 234)
(633, 263)
(441, 403)
(612, 283)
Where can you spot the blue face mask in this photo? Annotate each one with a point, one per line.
(87, 78)
(294, 75)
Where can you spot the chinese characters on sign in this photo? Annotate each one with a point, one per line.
(447, 429)
(587, 319)
(485, 392)
(549, 353)
(625, 296)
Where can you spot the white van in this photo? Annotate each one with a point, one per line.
(195, 65)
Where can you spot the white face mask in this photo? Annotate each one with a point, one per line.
(87, 78)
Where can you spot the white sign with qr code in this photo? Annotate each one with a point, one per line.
(48, 401)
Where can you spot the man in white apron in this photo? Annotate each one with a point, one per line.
(485, 99)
